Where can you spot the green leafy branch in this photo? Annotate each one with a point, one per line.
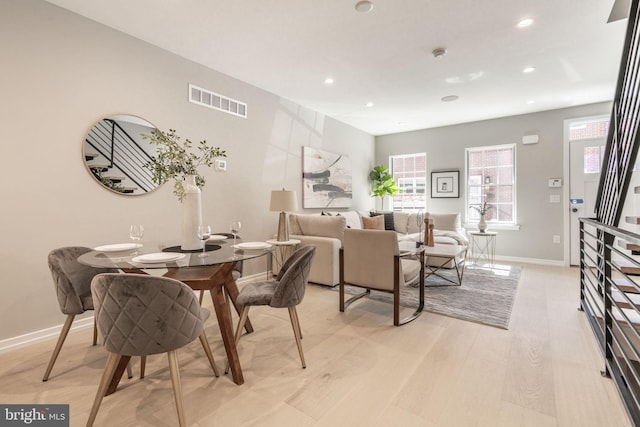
(481, 208)
(176, 159)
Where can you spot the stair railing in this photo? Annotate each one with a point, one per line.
(113, 143)
(609, 293)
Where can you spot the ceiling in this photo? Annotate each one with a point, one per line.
(384, 57)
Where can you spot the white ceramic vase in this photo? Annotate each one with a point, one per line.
(482, 224)
(191, 214)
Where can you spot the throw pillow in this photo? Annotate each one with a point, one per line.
(373, 223)
(388, 219)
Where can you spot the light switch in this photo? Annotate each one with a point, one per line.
(555, 182)
(554, 198)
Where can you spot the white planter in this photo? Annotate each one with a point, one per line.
(191, 214)
(482, 224)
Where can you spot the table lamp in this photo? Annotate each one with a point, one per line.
(282, 201)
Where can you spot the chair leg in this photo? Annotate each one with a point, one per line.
(207, 350)
(129, 370)
(293, 315)
(95, 331)
(177, 388)
(201, 297)
(56, 351)
(243, 318)
(143, 365)
(110, 368)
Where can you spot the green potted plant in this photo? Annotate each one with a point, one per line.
(382, 183)
(180, 161)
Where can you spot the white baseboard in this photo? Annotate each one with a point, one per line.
(53, 332)
(43, 335)
(532, 261)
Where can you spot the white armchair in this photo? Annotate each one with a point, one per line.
(371, 259)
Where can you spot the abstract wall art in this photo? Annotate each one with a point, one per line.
(326, 179)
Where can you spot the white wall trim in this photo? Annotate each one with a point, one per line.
(539, 261)
(43, 335)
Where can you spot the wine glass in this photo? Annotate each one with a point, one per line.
(204, 232)
(235, 229)
(136, 232)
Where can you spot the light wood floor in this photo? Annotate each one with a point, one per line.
(361, 370)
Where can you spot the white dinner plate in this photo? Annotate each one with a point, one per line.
(218, 237)
(253, 245)
(118, 247)
(158, 257)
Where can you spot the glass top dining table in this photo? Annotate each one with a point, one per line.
(211, 272)
(146, 257)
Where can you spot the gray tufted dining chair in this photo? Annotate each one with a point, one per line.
(140, 315)
(287, 290)
(73, 288)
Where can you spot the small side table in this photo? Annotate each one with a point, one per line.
(282, 250)
(482, 246)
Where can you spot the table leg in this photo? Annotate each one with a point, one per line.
(226, 330)
(433, 271)
(117, 375)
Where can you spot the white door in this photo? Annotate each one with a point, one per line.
(584, 164)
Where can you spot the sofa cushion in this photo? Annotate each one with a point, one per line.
(322, 226)
(353, 217)
(413, 226)
(400, 222)
(373, 223)
(294, 225)
(446, 221)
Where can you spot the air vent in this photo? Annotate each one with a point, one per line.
(206, 98)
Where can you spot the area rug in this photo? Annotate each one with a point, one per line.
(486, 295)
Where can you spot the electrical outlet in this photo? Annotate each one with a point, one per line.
(556, 238)
(554, 198)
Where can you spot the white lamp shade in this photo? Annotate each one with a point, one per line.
(283, 201)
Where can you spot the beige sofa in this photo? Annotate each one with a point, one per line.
(326, 232)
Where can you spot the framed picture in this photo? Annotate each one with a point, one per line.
(326, 179)
(445, 184)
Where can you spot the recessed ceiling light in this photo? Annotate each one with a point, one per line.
(531, 101)
(328, 81)
(364, 6)
(529, 70)
(526, 22)
(449, 98)
(369, 104)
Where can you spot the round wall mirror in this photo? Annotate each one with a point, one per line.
(115, 154)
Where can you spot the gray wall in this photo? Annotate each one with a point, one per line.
(61, 73)
(535, 164)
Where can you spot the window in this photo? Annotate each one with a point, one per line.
(590, 129)
(491, 173)
(410, 174)
(593, 159)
